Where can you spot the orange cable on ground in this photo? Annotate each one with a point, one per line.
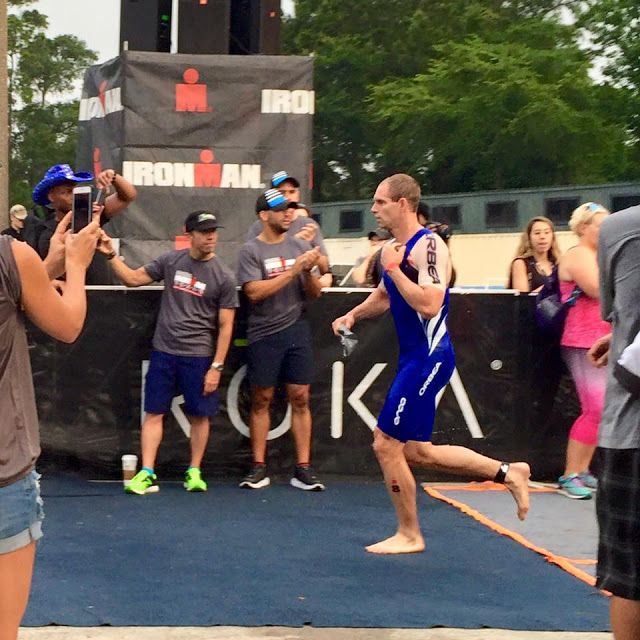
(551, 557)
(488, 485)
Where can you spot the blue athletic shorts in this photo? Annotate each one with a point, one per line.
(170, 376)
(409, 409)
(285, 356)
(21, 513)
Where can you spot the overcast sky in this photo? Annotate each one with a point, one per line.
(97, 22)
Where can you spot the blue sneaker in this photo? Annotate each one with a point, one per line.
(572, 486)
(588, 480)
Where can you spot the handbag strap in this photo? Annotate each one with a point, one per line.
(573, 297)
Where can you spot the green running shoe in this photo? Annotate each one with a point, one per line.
(142, 483)
(193, 480)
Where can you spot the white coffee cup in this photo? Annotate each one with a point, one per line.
(129, 466)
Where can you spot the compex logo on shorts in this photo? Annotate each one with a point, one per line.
(429, 379)
(399, 410)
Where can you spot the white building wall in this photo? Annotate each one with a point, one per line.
(480, 260)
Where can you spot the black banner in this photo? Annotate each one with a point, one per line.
(500, 400)
(195, 132)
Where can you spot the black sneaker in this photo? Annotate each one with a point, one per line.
(257, 478)
(305, 478)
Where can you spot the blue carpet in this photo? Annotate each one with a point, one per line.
(285, 557)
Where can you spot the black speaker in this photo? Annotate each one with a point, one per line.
(145, 25)
(203, 26)
(270, 27)
(255, 27)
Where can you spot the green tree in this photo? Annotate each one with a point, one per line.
(21, 30)
(612, 26)
(504, 114)
(464, 93)
(42, 135)
(42, 74)
(51, 66)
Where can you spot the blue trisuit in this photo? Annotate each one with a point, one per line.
(425, 365)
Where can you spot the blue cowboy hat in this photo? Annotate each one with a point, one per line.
(58, 174)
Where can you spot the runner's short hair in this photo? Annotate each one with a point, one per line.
(402, 185)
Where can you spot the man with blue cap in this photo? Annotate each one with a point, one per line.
(302, 227)
(55, 191)
(277, 275)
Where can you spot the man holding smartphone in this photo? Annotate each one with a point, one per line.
(190, 343)
(55, 191)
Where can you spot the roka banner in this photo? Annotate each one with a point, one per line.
(508, 397)
(195, 132)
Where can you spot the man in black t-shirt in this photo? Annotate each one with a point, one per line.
(55, 191)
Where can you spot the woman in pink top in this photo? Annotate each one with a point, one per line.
(578, 267)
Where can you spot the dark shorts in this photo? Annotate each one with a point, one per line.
(409, 409)
(618, 510)
(21, 513)
(286, 356)
(170, 376)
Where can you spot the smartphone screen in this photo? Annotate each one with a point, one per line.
(81, 208)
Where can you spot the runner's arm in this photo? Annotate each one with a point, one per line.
(376, 303)
(430, 257)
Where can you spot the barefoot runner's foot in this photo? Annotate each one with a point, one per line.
(399, 543)
(517, 481)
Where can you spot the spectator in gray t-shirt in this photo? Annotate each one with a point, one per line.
(619, 435)
(302, 227)
(190, 344)
(275, 271)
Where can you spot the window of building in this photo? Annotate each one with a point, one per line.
(351, 220)
(618, 203)
(501, 215)
(449, 213)
(559, 210)
(317, 217)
